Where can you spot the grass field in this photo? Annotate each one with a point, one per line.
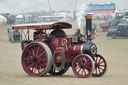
(115, 51)
(119, 43)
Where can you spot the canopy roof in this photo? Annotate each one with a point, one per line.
(51, 25)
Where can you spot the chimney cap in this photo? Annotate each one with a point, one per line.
(88, 16)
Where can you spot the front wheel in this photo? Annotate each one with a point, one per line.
(82, 66)
(36, 59)
(100, 66)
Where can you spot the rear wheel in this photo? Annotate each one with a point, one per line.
(36, 59)
(82, 66)
(100, 66)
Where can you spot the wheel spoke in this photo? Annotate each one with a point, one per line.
(96, 70)
(44, 60)
(99, 60)
(102, 65)
(34, 70)
(31, 65)
(99, 71)
(30, 53)
(38, 49)
(33, 52)
(101, 68)
(38, 71)
(77, 67)
(79, 70)
(87, 65)
(43, 53)
(84, 71)
(86, 62)
(40, 68)
(30, 59)
(35, 67)
(42, 65)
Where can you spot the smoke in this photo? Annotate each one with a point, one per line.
(80, 15)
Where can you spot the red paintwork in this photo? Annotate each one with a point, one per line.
(37, 55)
(24, 44)
(58, 59)
(105, 27)
(77, 49)
(57, 53)
(36, 26)
(68, 56)
(60, 42)
(74, 39)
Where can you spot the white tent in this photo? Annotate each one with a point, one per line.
(3, 20)
(19, 16)
(19, 19)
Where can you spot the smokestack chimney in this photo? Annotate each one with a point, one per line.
(88, 18)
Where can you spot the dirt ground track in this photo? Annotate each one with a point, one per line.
(12, 73)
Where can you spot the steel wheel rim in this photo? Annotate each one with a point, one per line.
(100, 66)
(35, 59)
(82, 66)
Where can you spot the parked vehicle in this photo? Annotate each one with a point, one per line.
(105, 27)
(14, 35)
(120, 31)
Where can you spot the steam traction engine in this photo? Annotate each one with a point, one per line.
(55, 52)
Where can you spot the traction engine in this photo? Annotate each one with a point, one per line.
(55, 52)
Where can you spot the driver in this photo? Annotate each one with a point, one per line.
(58, 33)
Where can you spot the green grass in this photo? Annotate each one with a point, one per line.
(5, 25)
(119, 43)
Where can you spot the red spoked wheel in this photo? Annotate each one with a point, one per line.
(36, 59)
(82, 66)
(100, 66)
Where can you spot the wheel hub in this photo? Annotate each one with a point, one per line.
(82, 66)
(97, 65)
(35, 59)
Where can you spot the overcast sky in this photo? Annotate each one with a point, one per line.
(16, 6)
